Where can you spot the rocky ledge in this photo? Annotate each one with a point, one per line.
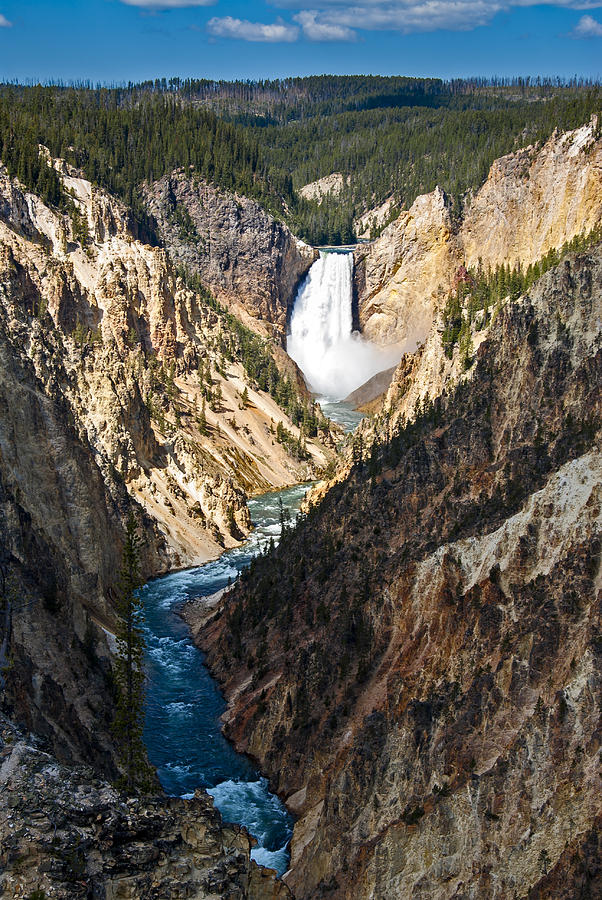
(64, 833)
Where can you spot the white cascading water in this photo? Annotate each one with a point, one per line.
(334, 359)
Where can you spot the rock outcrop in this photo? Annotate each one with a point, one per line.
(374, 219)
(252, 263)
(532, 201)
(328, 186)
(65, 833)
(371, 392)
(426, 692)
(535, 200)
(403, 276)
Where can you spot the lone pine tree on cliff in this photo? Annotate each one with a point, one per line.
(129, 672)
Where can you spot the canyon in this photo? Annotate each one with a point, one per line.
(122, 310)
(416, 666)
(427, 697)
(119, 385)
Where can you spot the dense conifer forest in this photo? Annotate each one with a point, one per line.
(122, 138)
(394, 137)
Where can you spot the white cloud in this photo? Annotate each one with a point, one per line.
(339, 20)
(168, 4)
(4, 23)
(408, 16)
(323, 31)
(243, 30)
(566, 4)
(586, 27)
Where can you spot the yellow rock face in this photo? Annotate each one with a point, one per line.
(406, 270)
(533, 200)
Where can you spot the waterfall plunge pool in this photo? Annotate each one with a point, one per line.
(183, 703)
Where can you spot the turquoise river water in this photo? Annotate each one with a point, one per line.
(183, 703)
(183, 706)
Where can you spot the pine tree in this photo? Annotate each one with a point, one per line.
(202, 419)
(129, 672)
(465, 345)
(284, 516)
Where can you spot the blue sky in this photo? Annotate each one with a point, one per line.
(123, 40)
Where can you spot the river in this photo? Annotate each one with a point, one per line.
(183, 703)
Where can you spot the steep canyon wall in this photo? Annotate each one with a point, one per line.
(251, 262)
(426, 691)
(532, 201)
(115, 394)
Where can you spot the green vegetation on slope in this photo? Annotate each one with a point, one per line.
(483, 290)
(285, 100)
(122, 138)
(407, 151)
(395, 137)
(392, 136)
(129, 671)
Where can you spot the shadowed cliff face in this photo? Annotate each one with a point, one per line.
(252, 263)
(60, 526)
(419, 662)
(533, 200)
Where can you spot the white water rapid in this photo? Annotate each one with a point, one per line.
(334, 359)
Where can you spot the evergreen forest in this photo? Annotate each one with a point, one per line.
(389, 137)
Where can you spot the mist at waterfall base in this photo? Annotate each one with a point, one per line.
(183, 703)
(334, 359)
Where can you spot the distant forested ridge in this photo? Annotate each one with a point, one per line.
(124, 137)
(395, 137)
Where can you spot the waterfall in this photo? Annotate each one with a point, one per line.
(334, 359)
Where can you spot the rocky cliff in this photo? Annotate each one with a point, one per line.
(142, 354)
(65, 833)
(425, 692)
(403, 276)
(252, 263)
(120, 388)
(328, 186)
(532, 201)
(60, 527)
